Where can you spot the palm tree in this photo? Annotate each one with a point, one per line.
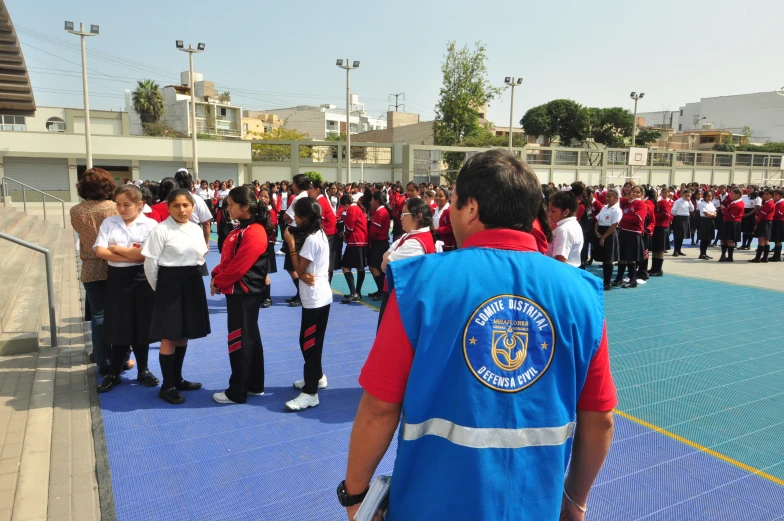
(148, 101)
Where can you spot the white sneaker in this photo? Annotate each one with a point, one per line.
(255, 394)
(640, 281)
(302, 402)
(222, 398)
(300, 384)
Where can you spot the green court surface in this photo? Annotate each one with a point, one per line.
(703, 361)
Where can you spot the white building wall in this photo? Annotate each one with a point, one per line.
(763, 112)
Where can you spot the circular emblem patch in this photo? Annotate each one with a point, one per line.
(509, 343)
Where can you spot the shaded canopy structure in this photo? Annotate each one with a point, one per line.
(16, 92)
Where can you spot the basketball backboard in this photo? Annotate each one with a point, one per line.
(638, 156)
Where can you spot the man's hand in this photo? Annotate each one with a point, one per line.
(352, 511)
(308, 278)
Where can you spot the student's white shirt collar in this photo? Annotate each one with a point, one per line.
(420, 230)
(565, 221)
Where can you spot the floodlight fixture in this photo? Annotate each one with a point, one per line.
(94, 29)
(339, 63)
(507, 79)
(519, 81)
(642, 94)
(201, 46)
(356, 64)
(69, 26)
(179, 44)
(632, 94)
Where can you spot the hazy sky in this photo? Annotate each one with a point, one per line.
(278, 54)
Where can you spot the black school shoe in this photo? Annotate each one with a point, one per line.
(629, 285)
(185, 385)
(616, 283)
(608, 287)
(292, 299)
(109, 383)
(655, 273)
(267, 303)
(171, 395)
(148, 379)
(704, 257)
(295, 303)
(354, 297)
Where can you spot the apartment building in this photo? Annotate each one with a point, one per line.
(323, 121)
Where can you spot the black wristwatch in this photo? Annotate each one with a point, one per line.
(349, 501)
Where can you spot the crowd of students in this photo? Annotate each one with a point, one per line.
(152, 239)
(631, 224)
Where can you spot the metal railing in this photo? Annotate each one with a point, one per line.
(49, 280)
(24, 195)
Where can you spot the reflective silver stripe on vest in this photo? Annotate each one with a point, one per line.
(489, 438)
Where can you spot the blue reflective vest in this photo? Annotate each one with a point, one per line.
(500, 360)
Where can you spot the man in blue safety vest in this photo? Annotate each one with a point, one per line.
(501, 376)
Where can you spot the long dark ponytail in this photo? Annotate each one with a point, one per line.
(381, 197)
(245, 196)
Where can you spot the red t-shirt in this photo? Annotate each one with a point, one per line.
(385, 373)
(379, 225)
(328, 219)
(355, 222)
(766, 211)
(634, 213)
(664, 213)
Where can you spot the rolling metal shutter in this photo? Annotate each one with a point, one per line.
(47, 174)
(222, 171)
(157, 170)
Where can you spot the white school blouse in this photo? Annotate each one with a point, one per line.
(567, 241)
(609, 215)
(114, 231)
(705, 207)
(201, 213)
(437, 214)
(682, 208)
(409, 248)
(205, 193)
(290, 209)
(173, 244)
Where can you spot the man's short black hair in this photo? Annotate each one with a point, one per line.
(507, 191)
(301, 181)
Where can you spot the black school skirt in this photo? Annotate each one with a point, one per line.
(764, 230)
(180, 308)
(777, 231)
(681, 222)
(748, 221)
(660, 241)
(730, 231)
(355, 257)
(609, 253)
(377, 251)
(630, 246)
(707, 229)
(272, 262)
(128, 306)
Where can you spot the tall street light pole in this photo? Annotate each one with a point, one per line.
(94, 29)
(348, 66)
(636, 97)
(512, 82)
(191, 51)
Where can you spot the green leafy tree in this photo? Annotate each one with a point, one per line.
(747, 134)
(646, 135)
(727, 145)
(775, 148)
(564, 118)
(148, 101)
(610, 126)
(272, 152)
(314, 176)
(464, 91)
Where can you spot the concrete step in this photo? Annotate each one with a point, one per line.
(8, 218)
(23, 277)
